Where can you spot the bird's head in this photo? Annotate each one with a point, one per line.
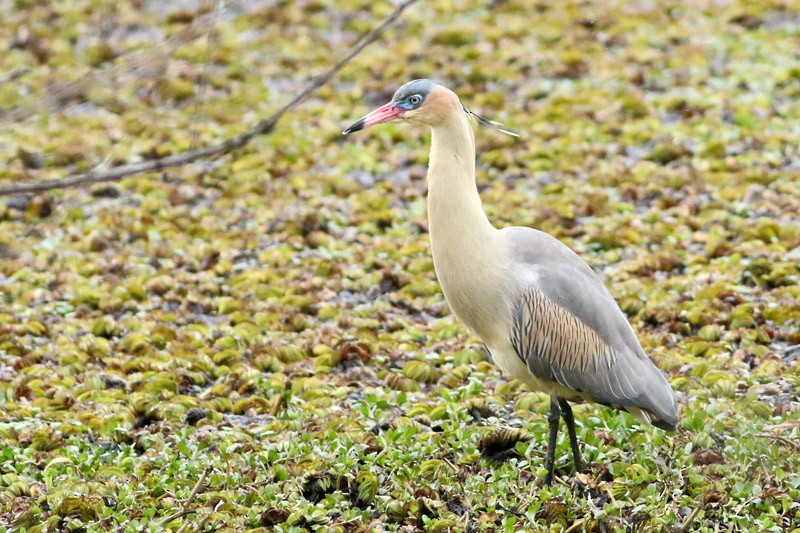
(422, 102)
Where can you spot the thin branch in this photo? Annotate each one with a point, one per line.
(140, 64)
(212, 38)
(14, 75)
(789, 443)
(688, 523)
(262, 128)
(185, 506)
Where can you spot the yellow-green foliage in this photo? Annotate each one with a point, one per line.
(273, 318)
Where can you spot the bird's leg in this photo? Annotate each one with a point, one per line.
(553, 418)
(566, 413)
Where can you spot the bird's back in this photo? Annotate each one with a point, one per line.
(569, 330)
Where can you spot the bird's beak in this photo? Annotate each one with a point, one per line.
(385, 113)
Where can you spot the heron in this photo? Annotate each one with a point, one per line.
(545, 316)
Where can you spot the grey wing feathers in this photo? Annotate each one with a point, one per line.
(568, 329)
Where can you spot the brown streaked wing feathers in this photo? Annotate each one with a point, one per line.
(558, 347)
(548, 335)
(568, 329)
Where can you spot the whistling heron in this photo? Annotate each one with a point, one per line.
(544, 315)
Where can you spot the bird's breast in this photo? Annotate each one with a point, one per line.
(481, 291)
(472, 275)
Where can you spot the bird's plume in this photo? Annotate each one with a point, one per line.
(491, 123)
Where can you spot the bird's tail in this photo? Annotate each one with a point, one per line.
(656, 404)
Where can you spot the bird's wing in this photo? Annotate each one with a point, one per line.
(568, 329)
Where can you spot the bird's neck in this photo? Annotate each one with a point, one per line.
(454, 205)
(468, 254)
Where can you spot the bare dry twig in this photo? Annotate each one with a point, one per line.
(14, 75)
(212, 38)
(138, 64)
(192, 495)
(262, 128)
(688, 523)
(779, 439)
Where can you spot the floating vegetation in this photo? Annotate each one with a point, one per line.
(259, 343)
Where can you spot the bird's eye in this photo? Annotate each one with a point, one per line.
(416, 99)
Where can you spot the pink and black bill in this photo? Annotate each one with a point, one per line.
(385, 113)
